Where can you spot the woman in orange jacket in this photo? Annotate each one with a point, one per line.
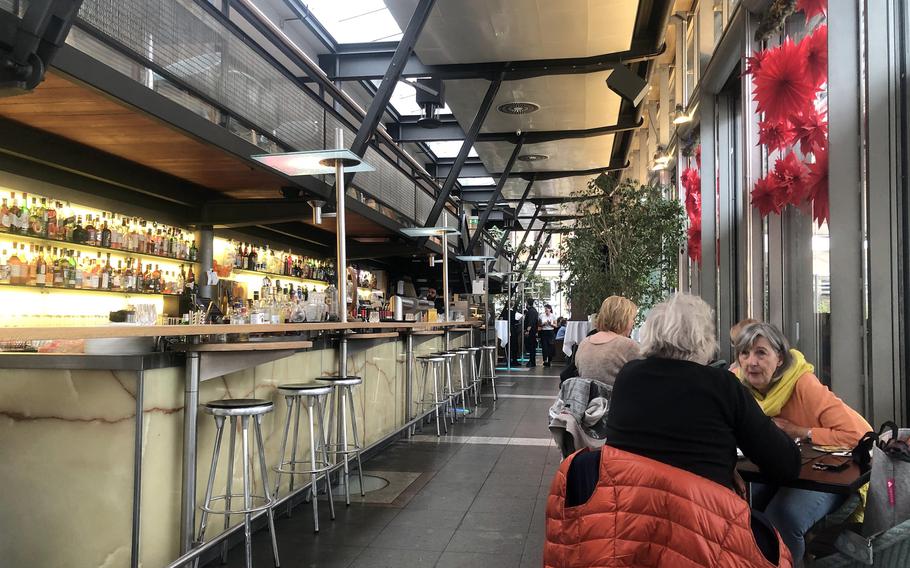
(785, 387)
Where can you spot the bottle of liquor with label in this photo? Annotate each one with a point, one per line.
(41, 269)
(106, 236)
(5, 221)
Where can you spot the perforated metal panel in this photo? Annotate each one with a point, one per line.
(185, 41)
(6, 5)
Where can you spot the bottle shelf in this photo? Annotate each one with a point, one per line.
(276, 276)
(90, 248)
(4, 285)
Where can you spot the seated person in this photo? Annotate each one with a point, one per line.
(561, 328)
(601, 355)
(671, 408)
(735, 331)
(784, 385)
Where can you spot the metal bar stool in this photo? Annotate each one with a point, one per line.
(431, 365)
(294, 395)
(465, 385)
(488, 361)
(473, 355)
(449, 393)
(342, 400)
(244, 409)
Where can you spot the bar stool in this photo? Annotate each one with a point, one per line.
(464, 355)
(294, 395)
(449, 393)
(488, 361)
(244, 409)
(433, 365)
(342, 400)
(475, 373)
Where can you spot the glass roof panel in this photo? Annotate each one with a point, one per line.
(355, 21)
(465, 182)
(449, 149)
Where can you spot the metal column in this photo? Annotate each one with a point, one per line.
(205, 242)
(188, 496)
(137, 471)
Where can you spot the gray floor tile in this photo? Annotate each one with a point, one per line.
(425, 517)
(494, 504)
(374, 557)
(514, 521)
(426, 537)
(490, 542)
(478, 560)
(440, 502)
(514, 491)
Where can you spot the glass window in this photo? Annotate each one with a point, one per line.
(355, 21)
(449, 149)
(691, 58)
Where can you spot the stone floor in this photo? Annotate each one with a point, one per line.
(479, 499)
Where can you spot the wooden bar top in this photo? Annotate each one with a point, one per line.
(99, 331)
(246, 346)
(429, 332)
(371, 335)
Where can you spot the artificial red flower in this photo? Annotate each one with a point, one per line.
(790, 176)
(812, 8)
(782, 85)
(815, 50)
(767, 196)
(818, 188)
(698, 155)
(694, 244)
(811, 129)
(753, 64)
(775, 135)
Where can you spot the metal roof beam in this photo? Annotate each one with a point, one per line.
(407, 130)
(371, 65)
(481, 223)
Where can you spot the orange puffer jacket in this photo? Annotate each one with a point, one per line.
(645, 513)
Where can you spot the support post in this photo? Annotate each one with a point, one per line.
(481, 223)
(205, 239)
(137, 471)
(188, 495)
(530, 226)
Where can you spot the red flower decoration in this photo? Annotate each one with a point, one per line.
(694, 245)
(775, 135)
(698, 155)
(782, 86)
(818, 188)
(812, 8)
(815, 49)
(767, 196)
(791, 178)
(753, 64)
(811, 129)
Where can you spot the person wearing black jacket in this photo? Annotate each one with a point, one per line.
(508, 314)
(531, 320)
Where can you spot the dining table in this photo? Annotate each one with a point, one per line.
(843, 482)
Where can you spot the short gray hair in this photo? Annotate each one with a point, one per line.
(750, 334)
(681, 327)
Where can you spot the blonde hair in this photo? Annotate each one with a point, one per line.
(682, 327)
(738, 328)
(616, 313)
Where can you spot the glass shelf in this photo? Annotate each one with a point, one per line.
(93, 248)
(92, 290)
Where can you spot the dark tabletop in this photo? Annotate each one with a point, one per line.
(842, 482)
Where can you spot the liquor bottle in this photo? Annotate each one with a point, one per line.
(24, 215)
(106, 275)
(106, 236)
(52, 221)
(89, 231)
(190, 278)
(35, 225)
(73, 271)
(117, 277)
(79, 233)
(15, 267)
(156, 280)
(4, 267)
(253, 260)
(13, 214)
(44, 215)
(238, 256)
(41, 269)
(95, 277)
(5, 221)
(181, 280)
(58, 279)
(32, 270)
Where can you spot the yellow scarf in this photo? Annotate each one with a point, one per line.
(774, 400)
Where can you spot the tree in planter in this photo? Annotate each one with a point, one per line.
(628, 245)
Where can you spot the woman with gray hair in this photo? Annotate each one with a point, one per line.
(785, 386)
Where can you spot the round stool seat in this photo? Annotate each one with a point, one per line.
(473, 348)
(304, 389)
(488, 347)
(431, 358)
(348, 381)
(447, 354)
(238, 407)
(462, 351)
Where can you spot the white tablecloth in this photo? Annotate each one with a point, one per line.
(575, 332)
(502, 332)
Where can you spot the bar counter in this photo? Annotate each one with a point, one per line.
(92, 447)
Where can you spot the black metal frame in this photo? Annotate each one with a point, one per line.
(485, 215)
(405, 129)
(506, 232)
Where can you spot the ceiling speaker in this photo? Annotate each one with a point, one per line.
(627, 84)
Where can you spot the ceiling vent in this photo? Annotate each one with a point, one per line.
(518, 108)
(533, 157)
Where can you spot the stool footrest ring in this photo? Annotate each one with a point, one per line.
(239, 497)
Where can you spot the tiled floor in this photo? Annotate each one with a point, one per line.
(481, 498)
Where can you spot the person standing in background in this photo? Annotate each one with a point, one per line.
(531, 321)
(547, 334)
